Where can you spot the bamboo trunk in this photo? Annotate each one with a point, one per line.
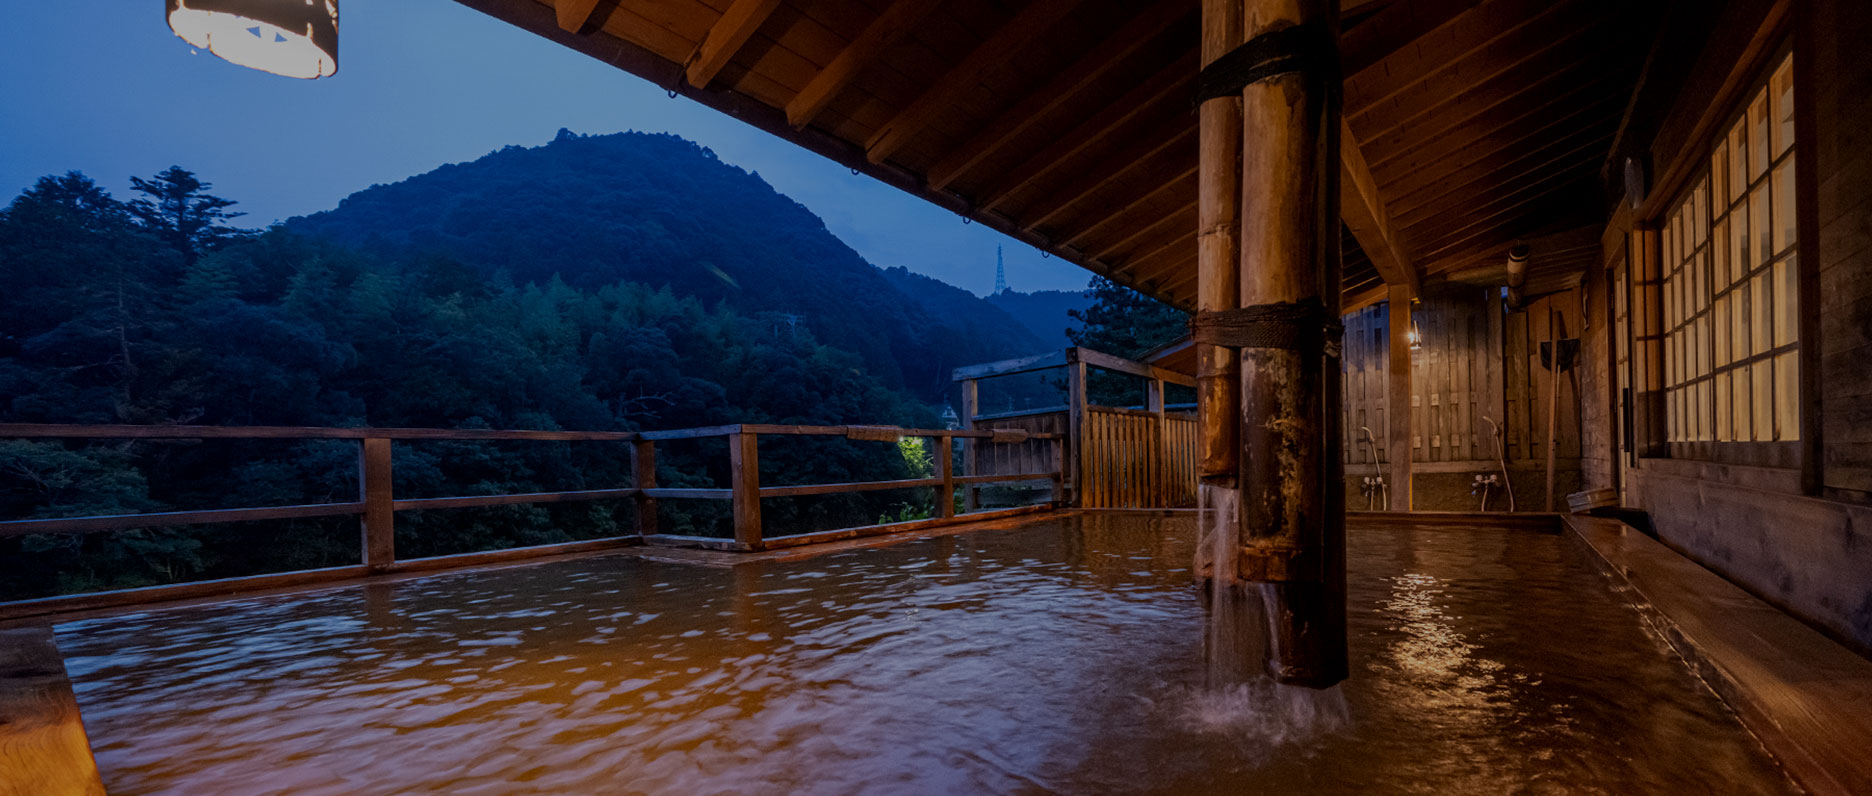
(1218, 247)
(1292, 532)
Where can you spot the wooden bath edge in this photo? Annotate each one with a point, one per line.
(1807, 697)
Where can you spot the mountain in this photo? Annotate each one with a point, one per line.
(663, 211)
(1043, 312)
(964, 316)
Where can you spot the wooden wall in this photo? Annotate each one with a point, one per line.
(1799, 537)
(1475, 362)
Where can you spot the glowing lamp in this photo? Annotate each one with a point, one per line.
(294, 38)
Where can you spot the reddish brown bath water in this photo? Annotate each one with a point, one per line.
(1063, 656)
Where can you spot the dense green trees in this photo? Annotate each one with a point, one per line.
(156, 311)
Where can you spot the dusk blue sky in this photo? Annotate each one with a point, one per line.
(103, 87)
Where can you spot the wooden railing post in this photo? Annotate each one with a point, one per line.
(945, 494)
(1075, 423)
(971, 465)
(643, 476)
(744, 475)
(1160, 436)
(379, 519)
(1059, 472)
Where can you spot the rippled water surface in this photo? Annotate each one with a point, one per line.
(1066, 655)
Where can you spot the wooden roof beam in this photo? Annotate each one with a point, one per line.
(1393, 28)
(896, 21)
(1010, 40)
(732, 30)
(1365, 214)
(573, 15)
(1170, 82)
(1098, 62)
(1135, 155)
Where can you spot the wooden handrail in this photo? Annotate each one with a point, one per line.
(377, 506)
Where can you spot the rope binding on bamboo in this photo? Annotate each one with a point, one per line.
(1303, 326)
(1298, 48)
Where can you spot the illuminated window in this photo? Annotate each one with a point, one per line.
(1730, 298)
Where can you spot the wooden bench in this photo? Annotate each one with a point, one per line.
(43, 748)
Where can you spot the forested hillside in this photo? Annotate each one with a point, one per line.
(662, 211)
(1045, 313)
(161, 310)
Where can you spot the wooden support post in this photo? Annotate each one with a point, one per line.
(1398, 400)
(1292, 531)
(379, 520)
(744, 487)
(1218, 248)
(1553, 395)
(1076, 425)
(1059, 472)
(643, 470)
(945, 494)
(971, 462)
(1157, 496)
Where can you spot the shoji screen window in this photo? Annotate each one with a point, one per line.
(1732, 371)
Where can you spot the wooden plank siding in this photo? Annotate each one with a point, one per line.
(1461, 376)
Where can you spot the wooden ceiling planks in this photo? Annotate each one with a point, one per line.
(1067, 123)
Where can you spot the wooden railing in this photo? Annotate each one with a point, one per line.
(377, 505)
(1115, 457)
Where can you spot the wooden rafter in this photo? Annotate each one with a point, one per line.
(1069, 83)
(1136, 154)
(574, 15)
(1365, 214)
(1169, 83)
(896, 21)
(1438, 53)
(1393, 28)
(1010, 40)
(1180, 182)
(735, 27)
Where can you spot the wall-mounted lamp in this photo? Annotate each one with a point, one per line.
(1415, 337)
(294, 38)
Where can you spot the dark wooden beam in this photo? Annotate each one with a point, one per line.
(1010, 40)
(1095, 225)
(1437, 52)
(732, 30)
(574, 15)
(1139, 153)
(1503, 150)
(1097, 63)
(1394, 27)
(1364, 212)
(1491, 77)
(899, 19)
(1148, 98)
(1178, 223)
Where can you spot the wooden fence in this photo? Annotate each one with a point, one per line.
(1138, 459)
(1114, 457)
(377, 506)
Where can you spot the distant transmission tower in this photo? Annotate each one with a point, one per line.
(1000, 272)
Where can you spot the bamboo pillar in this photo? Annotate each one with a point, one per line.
(1398, 400)
(1292, 531)
(1218, 248)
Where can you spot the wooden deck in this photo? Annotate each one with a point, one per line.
(1806, 696)
(43, 747)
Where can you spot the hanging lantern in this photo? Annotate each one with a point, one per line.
(294, 38)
